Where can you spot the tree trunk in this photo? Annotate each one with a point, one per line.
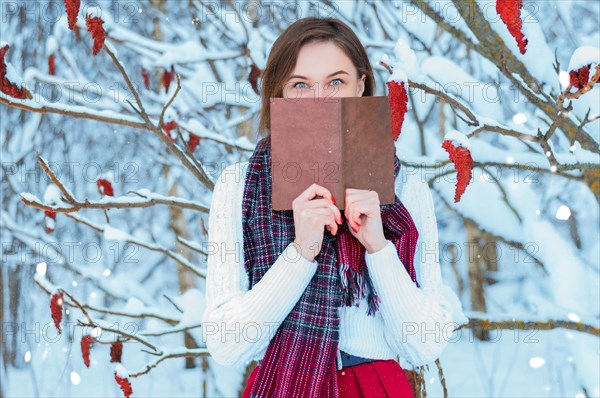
(476, 275)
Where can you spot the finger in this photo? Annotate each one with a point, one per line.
(357, 210)
(326, 203)
(348, 211)
(358, 195)
(338, 214)
(332, 225)
(363, 207)
(314, 190)
(326, 218)
(349, 200)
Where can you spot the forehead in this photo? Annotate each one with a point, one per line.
(319, 59)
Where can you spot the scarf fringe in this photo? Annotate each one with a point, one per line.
(356, 286)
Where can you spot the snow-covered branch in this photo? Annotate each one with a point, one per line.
(110, 232)
(143, 198)
(148, 312)
(484, 322)
(180, 353)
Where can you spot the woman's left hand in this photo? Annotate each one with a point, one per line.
(363, 214)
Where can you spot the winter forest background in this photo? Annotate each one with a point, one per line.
(101, 202)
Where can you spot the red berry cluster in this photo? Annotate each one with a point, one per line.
(86, 344)
(104, 187)
(94, 26)
(72, 7)
(51, 64)
(116, 351)
(463, 163)
(510, 13)
(172, 125)
(125, 385)
(398, 105)
(580, 77)
(6, 86)
(50, 217)
(167, 78)
(56, 303)
(146, 77)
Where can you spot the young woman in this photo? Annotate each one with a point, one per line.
(325, 300)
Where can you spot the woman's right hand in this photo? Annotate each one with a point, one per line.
(310, 215)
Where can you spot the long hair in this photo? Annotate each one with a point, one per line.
(284, 54)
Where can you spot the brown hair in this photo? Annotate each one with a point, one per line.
(284, 54)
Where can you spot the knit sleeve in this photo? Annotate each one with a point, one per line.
(418, 321)
(239, 323)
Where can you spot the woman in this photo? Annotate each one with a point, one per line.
(325, 299)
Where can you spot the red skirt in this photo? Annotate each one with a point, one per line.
(377, 379)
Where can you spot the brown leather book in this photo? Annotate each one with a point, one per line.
(336, 142)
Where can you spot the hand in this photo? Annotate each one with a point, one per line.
(364, 218)
(310, 215)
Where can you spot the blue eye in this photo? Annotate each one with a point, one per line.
(295, 85)
(340, 80)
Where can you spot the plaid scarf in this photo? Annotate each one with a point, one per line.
(300, 360)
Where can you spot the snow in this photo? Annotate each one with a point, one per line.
(458, 138)
(41, 102)
(110, 47)
(41, 279)
(133, 306)
(190, 51)
(406, 58)
(404, 65)
(13, 76)
(398, 75)
(51, 45)
(96, 12)
(121, 371)
(192, 302)
(30, 197)
(170, 115)
(585, 55)
(53, 196)
(112, 233)
(483, 97)
(50, 223)
(200, 130)
(193, 305)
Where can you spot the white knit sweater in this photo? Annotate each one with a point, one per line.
(414, 323)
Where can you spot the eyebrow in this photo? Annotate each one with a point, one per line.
(304, 77)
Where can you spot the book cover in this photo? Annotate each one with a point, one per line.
(336, 142)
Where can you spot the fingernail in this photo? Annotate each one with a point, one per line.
(340, 220)
(332, 200)
(354, 229)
